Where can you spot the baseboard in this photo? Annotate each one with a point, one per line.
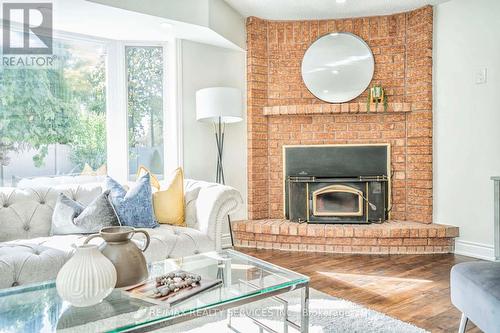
(226, 241)
(475, 250)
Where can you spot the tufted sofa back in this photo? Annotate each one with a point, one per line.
(27, 213)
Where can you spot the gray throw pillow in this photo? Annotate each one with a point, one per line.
(71, 217)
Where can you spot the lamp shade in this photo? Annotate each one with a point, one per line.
(219, 102)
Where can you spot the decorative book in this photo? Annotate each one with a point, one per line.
(171, 288)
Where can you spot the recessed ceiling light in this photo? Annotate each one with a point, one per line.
(340, 1)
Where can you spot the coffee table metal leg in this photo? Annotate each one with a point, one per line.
(304, 313)
(229, 323)
(285, 317)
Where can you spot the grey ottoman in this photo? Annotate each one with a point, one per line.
(475, 290)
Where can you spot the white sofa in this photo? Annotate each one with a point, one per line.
(29, 254)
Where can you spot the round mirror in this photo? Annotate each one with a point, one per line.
(338, 67)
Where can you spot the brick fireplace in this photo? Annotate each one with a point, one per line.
(281, 112)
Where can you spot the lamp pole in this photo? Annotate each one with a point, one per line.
(219, 129)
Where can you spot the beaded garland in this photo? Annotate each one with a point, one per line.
(172, 282)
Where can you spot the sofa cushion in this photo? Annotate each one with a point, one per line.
(28, 263)
(168, 201)
(135, 206)
(172, 241)
(63, 243)
(191, 191)
(71, 217)
(155, 183)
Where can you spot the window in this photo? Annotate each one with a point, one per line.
(53, 120)
(99, 109)
(144, 67)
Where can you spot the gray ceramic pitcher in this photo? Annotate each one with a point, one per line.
(128, 258)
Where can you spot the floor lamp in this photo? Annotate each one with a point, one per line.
(219, 106)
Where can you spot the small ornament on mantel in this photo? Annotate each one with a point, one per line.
(376, 95)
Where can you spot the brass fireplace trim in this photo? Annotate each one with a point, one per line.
(389, 172)
(342, 189)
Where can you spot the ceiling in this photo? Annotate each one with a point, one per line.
(86, 18)
(91, 19)
(323, 9)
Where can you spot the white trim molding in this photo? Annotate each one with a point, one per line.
(175, 96)
(475, 250)
(116, 114)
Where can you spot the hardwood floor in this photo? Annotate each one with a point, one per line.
(412, 288)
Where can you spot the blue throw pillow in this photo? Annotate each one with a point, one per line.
(135, 207)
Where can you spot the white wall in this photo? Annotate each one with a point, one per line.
(209, 66)
(466, 120)
(227, 22)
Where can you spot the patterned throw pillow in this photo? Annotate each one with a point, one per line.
(135, 207)
(71, 217)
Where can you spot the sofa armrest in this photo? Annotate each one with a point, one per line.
(213, 204)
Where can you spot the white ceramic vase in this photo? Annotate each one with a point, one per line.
(87, 278)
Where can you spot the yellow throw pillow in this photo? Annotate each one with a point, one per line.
(102, 170)
(168, 203)
(87, 170)
(154, 181)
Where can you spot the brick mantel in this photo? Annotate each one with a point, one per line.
(281, 111)
(328, 108)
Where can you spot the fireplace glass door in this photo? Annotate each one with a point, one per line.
(337, 200)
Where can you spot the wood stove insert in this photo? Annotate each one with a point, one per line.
(337, 183)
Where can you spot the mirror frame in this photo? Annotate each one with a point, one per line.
(338, 33)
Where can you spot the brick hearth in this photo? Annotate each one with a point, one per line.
(394, 237)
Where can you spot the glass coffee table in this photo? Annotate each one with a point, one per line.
(38, 307)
